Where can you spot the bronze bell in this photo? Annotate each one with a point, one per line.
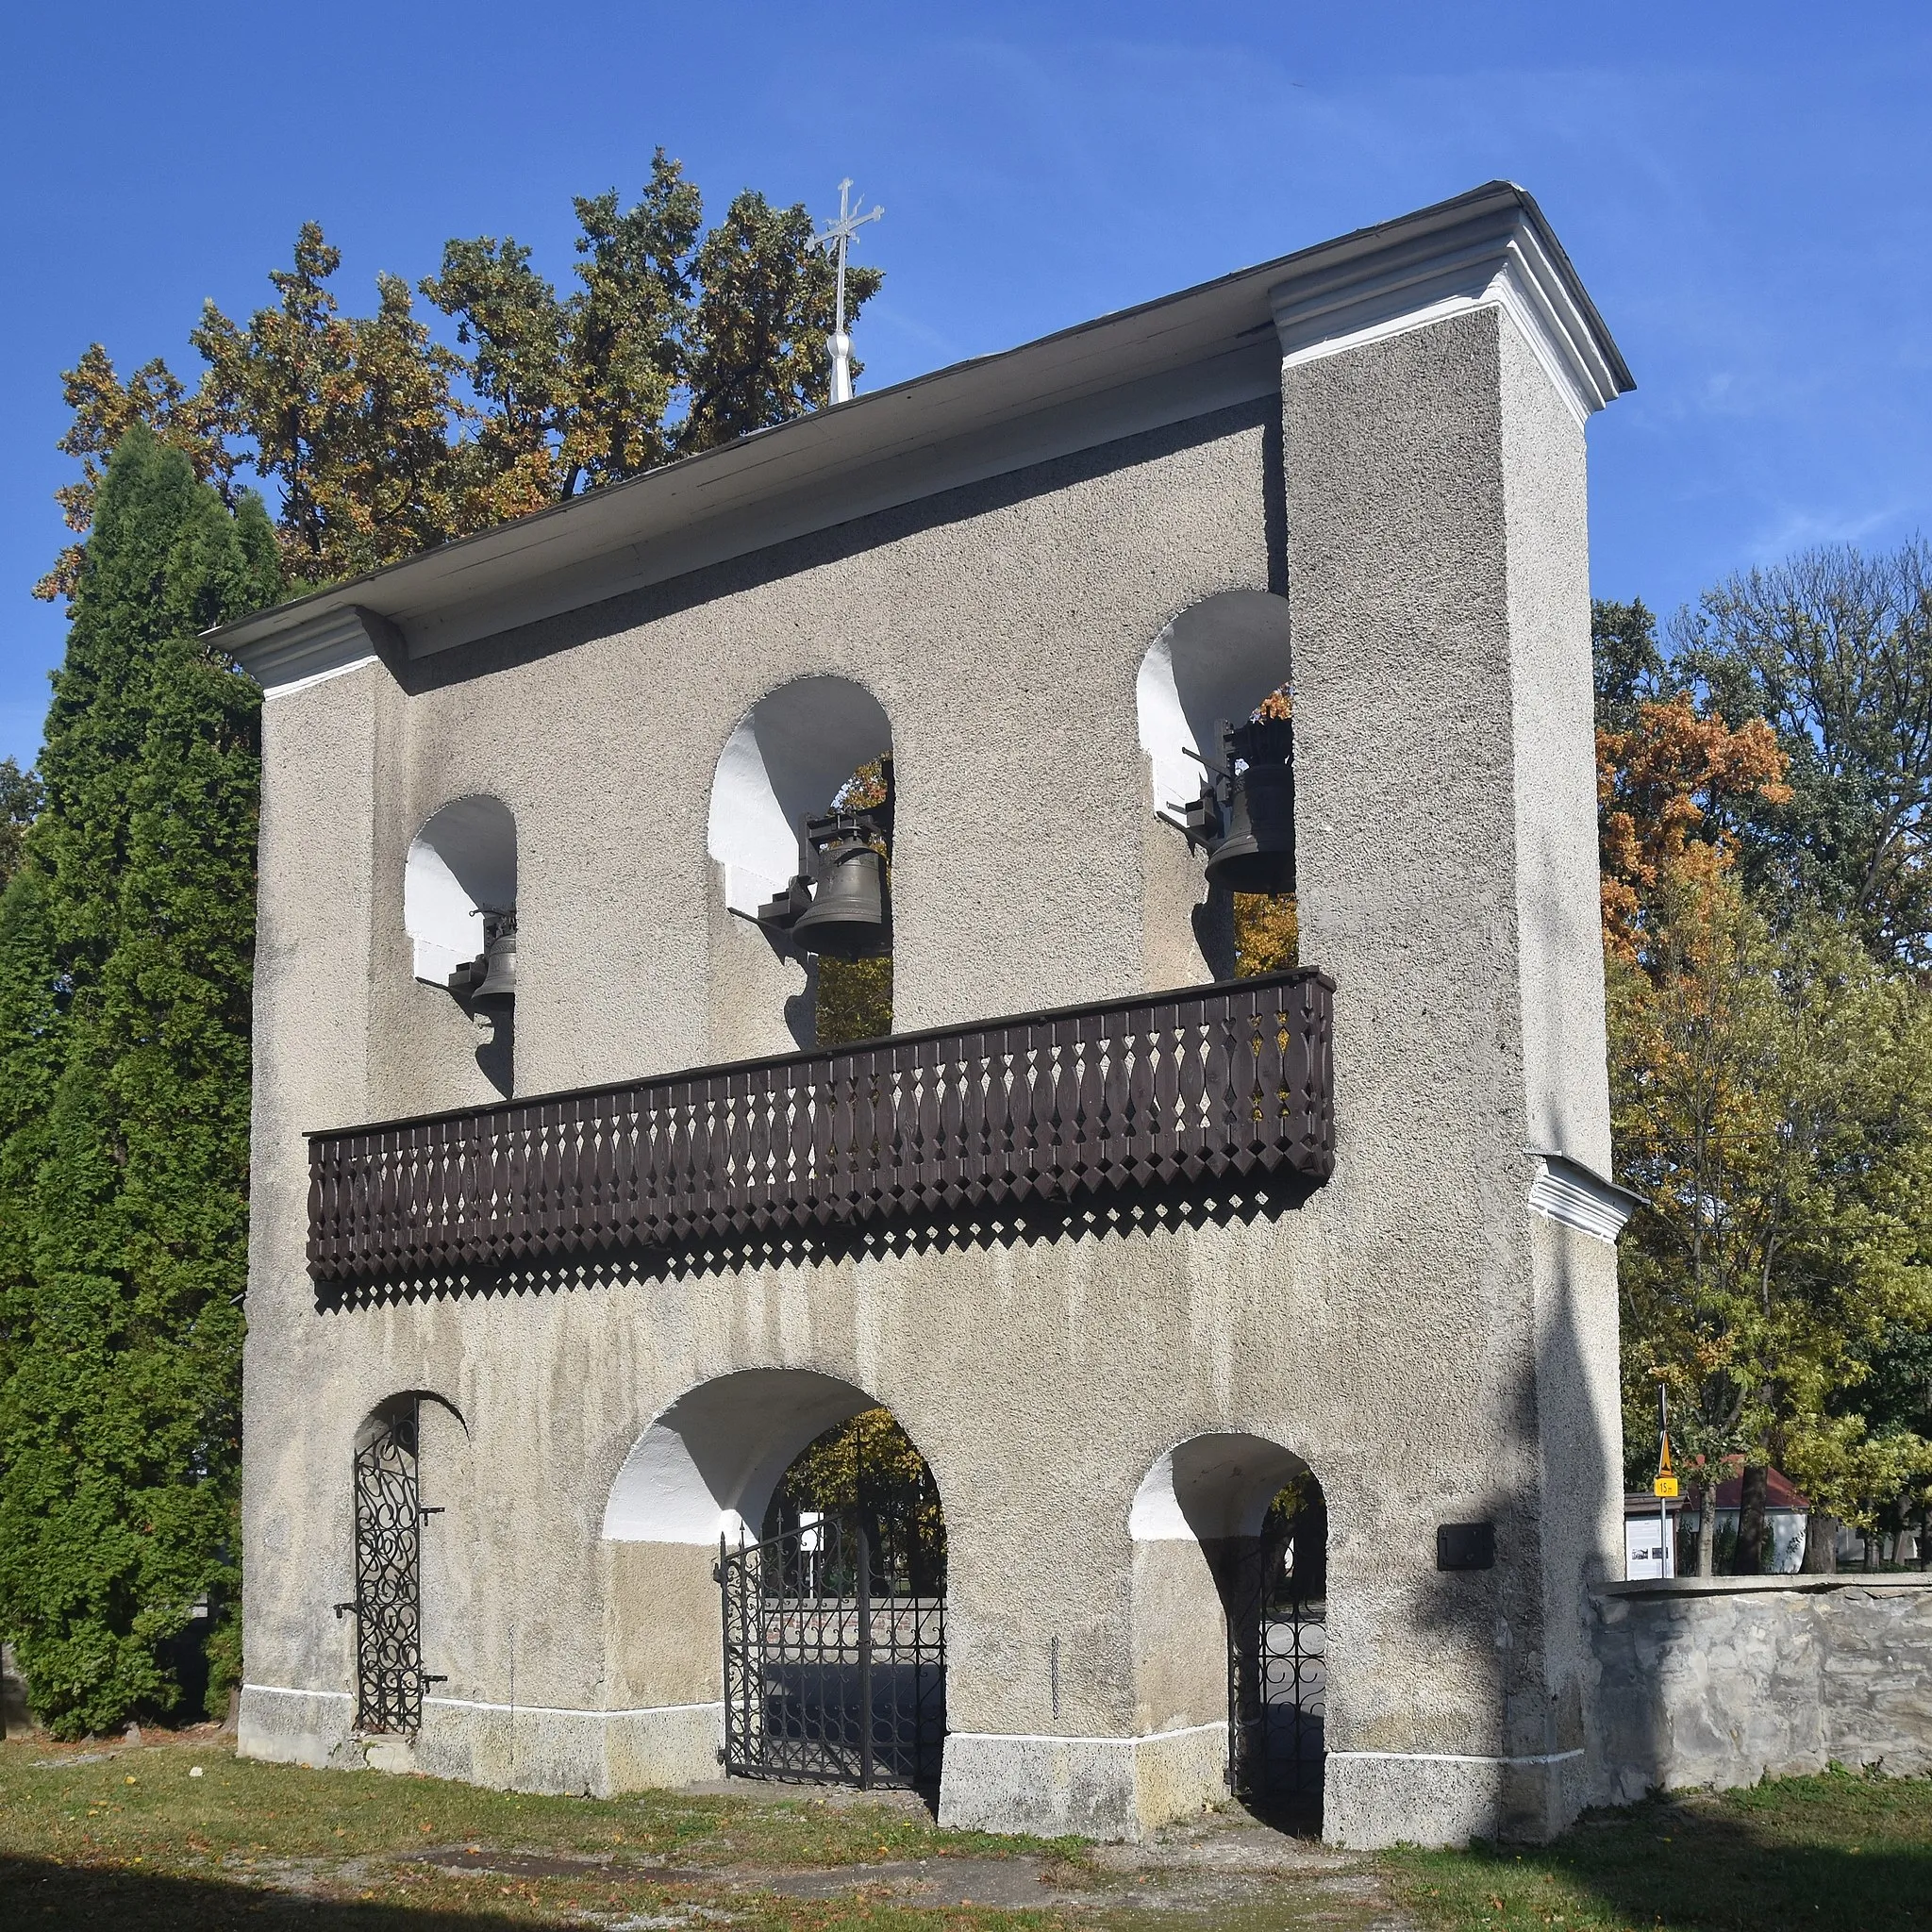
(846, 919)
(1258, 854)
(1250, 829)
(495, 983)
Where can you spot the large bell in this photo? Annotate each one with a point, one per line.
(1258, 854)
(489, 982)
(846, 919)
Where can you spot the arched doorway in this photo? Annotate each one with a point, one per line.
(389, 1517)
(835, 1636)
(1232, 1530)
(1275, 1589)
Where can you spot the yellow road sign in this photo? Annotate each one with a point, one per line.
(1666, 1483)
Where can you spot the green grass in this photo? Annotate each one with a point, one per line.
(1843, 1853)
(133, 1842)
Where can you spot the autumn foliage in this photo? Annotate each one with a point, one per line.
(1667, 790)
(382, 438)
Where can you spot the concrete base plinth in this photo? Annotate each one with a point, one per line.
(282, 1727)
(1100, 1788)
(595, 1753)
(1371, 1799)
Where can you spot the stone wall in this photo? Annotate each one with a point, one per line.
(1724, 1680)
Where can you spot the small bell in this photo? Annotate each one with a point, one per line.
(495, 985)
(846, 919)
(1258, 854)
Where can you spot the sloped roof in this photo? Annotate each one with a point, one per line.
(1160, 362)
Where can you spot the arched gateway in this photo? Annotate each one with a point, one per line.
(1073, 1208)
(1230, 1581)
(829, 1543)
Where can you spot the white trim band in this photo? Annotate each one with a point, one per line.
(1493, 260)
(1065, 1738)
(513, 1710)
(1459, 1756)
(1568, 1191)
(569, 1711)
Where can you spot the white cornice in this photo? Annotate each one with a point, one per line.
(1579, 1197)
(1497, 258)
(326, 645)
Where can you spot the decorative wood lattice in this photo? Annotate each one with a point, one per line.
(1120, 1095)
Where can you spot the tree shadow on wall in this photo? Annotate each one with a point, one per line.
(1491, 1628)
(41, 1897)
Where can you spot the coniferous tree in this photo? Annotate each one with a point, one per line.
(20, 798)
(126, 942)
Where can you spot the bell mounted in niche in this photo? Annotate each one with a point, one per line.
(488, 983)
(846, 919)
(1244, 816)
(841, 909)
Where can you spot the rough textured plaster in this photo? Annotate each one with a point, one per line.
(1392, 1332)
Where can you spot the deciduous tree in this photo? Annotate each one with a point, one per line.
(1835, 649)
(1772, 1098)
(381, 440)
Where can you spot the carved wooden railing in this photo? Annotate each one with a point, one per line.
(1124, 1094)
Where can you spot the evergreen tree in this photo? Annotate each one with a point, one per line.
(20, 798)
(126, 942)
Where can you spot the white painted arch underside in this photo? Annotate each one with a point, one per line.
(1219, 658)
(1210, 1487)
(708, 1465)
(787, 758)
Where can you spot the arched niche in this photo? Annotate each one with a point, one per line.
(709, 1465)
(1218, 660)
(786, 760)
(462, 864)
(1229, 1536)
(1211, 1488)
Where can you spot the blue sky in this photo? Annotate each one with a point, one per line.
(1745, 190)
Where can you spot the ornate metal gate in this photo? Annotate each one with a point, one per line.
(829, 1678)
(388, 1606)
(1274, 1587)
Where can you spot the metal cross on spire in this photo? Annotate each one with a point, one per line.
(838, 235)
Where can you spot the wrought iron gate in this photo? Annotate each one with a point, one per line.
(829, 1678)
(388, 1606)
(1275, 1588)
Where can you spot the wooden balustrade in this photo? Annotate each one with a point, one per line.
(1119, 1095)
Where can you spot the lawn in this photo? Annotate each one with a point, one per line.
(1842, 1851)
(136, 1840)
(130, 1840)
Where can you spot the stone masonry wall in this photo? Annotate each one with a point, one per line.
(1725, 1681)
